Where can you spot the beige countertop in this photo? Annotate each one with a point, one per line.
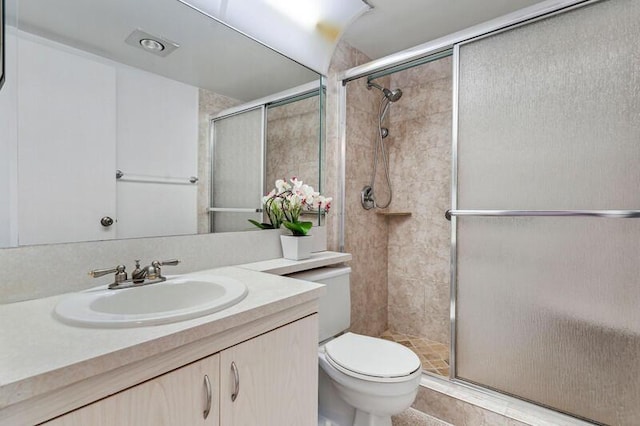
(285, 266)
(40, 354)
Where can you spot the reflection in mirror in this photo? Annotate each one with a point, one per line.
(119, 85)
(252, 147)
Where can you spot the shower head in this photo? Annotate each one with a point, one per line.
(391, 95)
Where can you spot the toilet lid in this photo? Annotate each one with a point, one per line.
(372, 357)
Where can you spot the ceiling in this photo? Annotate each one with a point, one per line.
(215, 57)
(210, 56)
(395, 25)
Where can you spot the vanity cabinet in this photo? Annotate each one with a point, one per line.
(175, 398)
(277, 374)
(270, 379)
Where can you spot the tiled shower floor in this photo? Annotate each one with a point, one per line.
(433, 355)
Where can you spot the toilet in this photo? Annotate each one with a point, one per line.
(363, 380)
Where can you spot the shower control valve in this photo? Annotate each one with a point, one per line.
(367, 198)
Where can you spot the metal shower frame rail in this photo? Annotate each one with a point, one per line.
(610, 214)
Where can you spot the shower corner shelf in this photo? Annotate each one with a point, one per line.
(393, 213)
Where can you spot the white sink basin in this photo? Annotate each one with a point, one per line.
(176, 299)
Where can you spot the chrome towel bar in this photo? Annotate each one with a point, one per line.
(233, 210)
(121, 176)
(612, 214)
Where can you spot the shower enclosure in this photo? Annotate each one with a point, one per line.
(544, 210)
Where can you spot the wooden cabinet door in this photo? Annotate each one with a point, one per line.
(178, 398)
(277, 378)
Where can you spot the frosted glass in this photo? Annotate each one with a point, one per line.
(547, 310)
(237, 168)
(233, 222)
(549, 113)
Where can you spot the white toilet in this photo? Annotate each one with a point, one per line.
(363, 380)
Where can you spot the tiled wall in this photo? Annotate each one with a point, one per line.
(400, 276)
(365, 236)
(420, 165)
(366, 232)
(292, 142)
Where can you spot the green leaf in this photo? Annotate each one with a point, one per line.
(261, 225)
(298, 228)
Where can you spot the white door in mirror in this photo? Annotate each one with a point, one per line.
(177, 299)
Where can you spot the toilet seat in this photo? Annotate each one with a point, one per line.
(371, 359)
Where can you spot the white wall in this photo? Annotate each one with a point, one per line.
(157, 136)
(66, 152)
(74, 113)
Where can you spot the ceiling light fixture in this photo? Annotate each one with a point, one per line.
(150, 43)
(307, 31)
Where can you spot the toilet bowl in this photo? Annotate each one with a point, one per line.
(363, 380)
(376, 379)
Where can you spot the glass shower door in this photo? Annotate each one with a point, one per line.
(547, 305)
(237, 171)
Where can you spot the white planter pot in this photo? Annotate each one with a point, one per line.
(296, 248)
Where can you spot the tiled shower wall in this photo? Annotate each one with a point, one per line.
(365, 235)
(400, 277)
(420, 164)
(292, 142)
(365, 231)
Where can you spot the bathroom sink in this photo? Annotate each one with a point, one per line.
(179, 298)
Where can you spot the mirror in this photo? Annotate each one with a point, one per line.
(93, 87)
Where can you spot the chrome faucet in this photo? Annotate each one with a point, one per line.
(150, 274)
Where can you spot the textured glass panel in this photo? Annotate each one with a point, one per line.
(548, 310)
(232, 222)
(549, 113)
(237, 166)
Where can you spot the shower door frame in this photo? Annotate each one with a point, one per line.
(294, 94)
(451, 42)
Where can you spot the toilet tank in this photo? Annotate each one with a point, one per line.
(335, 306)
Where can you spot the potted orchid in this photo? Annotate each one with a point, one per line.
(284, 205)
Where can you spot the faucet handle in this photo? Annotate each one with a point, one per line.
(100, 272)
(156, 264)
(120, 277)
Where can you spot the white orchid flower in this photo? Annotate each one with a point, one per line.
(297, 184)
(290, 198)
(282, 186)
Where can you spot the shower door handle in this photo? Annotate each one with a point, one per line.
(610, 214)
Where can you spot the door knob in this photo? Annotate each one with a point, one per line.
(106, 221)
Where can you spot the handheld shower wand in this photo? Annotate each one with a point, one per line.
(368, 199)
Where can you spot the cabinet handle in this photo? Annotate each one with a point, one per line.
(207, 386)
(236, 379)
